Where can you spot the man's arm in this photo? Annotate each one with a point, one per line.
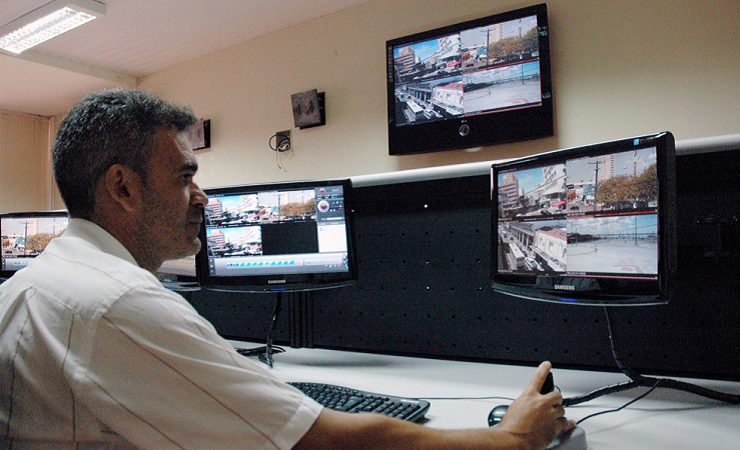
(532, 421)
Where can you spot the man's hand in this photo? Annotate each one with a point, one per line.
(535, 418)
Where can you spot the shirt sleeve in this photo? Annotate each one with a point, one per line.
(161, 377)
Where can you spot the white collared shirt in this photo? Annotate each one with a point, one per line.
(95, 353)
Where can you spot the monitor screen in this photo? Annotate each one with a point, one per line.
(25, 235)
(480, 82)
(274, 237)
(588, 225)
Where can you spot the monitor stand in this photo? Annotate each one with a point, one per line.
(267, 357)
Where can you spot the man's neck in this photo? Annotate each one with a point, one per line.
(126, 232)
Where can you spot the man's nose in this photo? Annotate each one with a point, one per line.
(198, 197)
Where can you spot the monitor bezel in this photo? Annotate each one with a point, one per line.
(619, 292)
(283, 282)
(476, 130)
(4, 273)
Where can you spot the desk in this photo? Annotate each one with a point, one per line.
(664, 419)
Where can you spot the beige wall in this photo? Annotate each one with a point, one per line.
(25, 176)
(56, 198)
(620, 68)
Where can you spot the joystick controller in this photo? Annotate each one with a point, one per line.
(497, 414)
(574, 439)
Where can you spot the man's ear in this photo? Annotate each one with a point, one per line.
(123, 186)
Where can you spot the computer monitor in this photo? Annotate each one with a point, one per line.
(587, 225)
(278, 237)
(24, 236)
(480, 82)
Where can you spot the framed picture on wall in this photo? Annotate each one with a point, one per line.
(200, 134)
(308, 109)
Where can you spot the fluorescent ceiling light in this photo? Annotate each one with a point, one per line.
(46, 22)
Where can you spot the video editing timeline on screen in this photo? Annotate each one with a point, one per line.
(275, 232)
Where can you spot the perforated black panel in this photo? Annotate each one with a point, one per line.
(424, 287)
(244, 316)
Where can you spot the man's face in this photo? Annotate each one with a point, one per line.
(172, 201)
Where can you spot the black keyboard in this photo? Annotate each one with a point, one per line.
(352, 400)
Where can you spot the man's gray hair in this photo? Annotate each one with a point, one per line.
(109, 127)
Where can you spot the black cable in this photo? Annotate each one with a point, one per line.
(634, 376)
(623, 386)
(267, 356)
(657, 383)
(282, 145)
(256, 351)
(639, 380)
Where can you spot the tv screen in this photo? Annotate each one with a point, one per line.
(480, 82)
(277, 237)
(587, 225)
(25, 235)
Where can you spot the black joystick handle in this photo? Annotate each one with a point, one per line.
(549, 384)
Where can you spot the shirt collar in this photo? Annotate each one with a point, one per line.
(99, 237)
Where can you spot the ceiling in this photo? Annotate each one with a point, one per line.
(135, 38)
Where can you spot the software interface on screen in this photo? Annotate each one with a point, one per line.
(593, 216)
(25, 237)
(490, 68)
(277, 232)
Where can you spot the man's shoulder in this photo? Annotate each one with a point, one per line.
(82, 277)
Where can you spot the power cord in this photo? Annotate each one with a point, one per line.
(637, 380)
(266, 357)
(259, 351)
(266, 351)
(656, 385)
(279, 143)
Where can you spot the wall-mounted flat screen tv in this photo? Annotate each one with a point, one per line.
(480, 82)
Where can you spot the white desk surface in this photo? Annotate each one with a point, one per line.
(664, 419)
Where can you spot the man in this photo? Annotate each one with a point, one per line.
(96, 353)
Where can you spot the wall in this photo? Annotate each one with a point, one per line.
(25, 178)
(619, 69)
(56, 197)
